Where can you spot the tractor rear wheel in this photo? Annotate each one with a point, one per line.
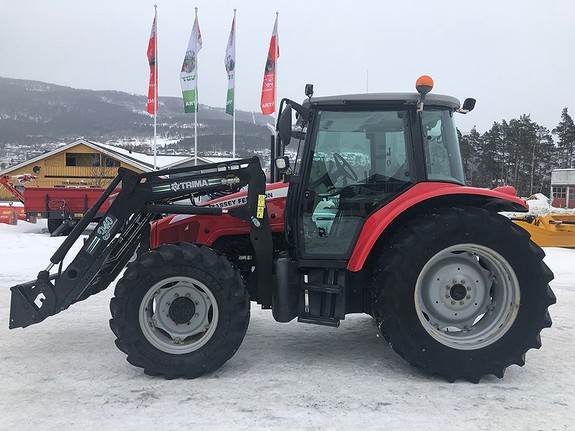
(461, 293)
(180, 311)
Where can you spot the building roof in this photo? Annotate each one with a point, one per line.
(216, 159)
(162, 160)
(409, 98)
(142, 161)
(563, 177)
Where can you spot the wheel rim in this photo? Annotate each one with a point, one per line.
(467, 296)
(178, 315)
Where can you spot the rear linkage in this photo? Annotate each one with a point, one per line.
(142, 198)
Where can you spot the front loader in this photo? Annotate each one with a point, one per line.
(115, 239)
(372, 216)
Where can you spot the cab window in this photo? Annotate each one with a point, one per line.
(359, 160)
(441, 147)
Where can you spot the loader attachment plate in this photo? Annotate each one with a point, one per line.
(125, 225)
(32, 302)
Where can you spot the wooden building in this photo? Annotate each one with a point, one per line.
(85, 163)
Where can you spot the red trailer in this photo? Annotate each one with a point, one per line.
(62, 206)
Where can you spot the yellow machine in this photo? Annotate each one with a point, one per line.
(550, 230)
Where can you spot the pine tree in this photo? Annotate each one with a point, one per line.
(524, 150)
(470, 144)
(490, 158)
(565, 131)
(544, 161)
(519, 153)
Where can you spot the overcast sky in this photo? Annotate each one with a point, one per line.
(514, 56)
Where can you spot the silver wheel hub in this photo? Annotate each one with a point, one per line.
(467, 296)
(178, 315)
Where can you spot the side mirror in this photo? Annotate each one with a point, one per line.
(285, 125)
(468, 105)
(309, 90)
(282, 163)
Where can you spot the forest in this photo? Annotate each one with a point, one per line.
(518, 152)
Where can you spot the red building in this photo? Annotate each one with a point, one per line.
(563, 188)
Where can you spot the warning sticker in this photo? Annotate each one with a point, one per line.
(261, 206)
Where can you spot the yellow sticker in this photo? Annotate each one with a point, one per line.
(261, 206)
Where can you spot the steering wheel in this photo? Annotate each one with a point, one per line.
(342, 166)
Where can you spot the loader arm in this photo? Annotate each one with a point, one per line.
(142, 198)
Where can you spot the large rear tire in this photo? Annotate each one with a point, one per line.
(462, 293)
(180, 311)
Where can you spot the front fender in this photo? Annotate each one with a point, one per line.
(423, 196)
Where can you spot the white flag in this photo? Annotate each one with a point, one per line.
(230, 63)
(189, 73)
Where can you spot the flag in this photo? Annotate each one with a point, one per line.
(189, 73)
(268, 100)
(152, 106)
(230, 63)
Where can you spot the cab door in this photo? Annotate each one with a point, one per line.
(357, 161)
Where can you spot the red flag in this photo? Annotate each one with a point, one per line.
(268, 101)
(152, 88)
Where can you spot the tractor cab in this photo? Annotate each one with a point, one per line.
(355, 153)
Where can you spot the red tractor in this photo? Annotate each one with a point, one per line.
(372, 216)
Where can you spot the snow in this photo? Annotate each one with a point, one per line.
(65, 373)
(11, 204)
(539, 205)
(217, 159)
(162, 160)
(160, 141)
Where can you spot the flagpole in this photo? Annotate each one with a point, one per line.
(367, 80)
(156, 86)
(276, 77)
(234, 129)
(235, 29)
(196, 108)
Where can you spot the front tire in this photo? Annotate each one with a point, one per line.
(180, 311)
(462, 293)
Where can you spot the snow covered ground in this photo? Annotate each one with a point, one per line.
(66, 373)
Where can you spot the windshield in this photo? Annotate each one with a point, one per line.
(441, 146)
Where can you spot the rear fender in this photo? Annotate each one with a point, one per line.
(421, 198)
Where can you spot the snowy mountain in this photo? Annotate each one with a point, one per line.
(34, 113)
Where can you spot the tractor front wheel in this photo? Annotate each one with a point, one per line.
(461, 293)
(180, 311)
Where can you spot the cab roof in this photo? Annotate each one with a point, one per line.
(406, 98)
